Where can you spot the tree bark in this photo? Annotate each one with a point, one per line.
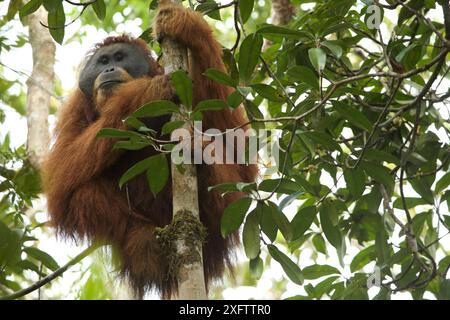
(282, 12)
(191, 283)
(40, 86)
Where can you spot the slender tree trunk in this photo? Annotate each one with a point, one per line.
(282, 12)
(191, 283)
(40, 86)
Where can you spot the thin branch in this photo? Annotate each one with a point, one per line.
(388, 208)
(430, 173)
(377, 124)
(425, 19)
(223, 6)
(37, 83)
(236, 27)
(85, 4)
(35, 286)
(446, 11)
(417, 101)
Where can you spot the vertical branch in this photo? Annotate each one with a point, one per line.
(191, 282)
(39, 84)
(282, 12)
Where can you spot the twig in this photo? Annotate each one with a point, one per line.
(223, 6)
(37, 83)
(388, 208)
(377, 124)
(84, 5)
(236, 27)
(425, 19)
(35, 286)
(446, 11)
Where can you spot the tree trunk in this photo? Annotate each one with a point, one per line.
(282, 12)
(40, 86)
(191, 282)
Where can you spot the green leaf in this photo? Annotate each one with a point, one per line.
(56, 23)
(244, 91)
(382, 247)
(245, 9)
(28, 265)
(316, 271)
(135, 170)
(52, 5)
(251, 235)
(157, 172)
(381, 156)
(171, 126)
(14, 286)
(446, 197)
(303, 74)
(220, 77)
(379, 173)
(302, 221)
(116, 133)
(446, 221)
(29, 8)
(308, 187)
(183, 87)
(334, 48)
(132, 144)
(256, 268)
(100, 9)
(291, 269)
(319, 243)
(268, 225)
(43, 257)
(147, 35)
(137, 124)
(271, 185)
(156, 108)
(331, 231)
(153, 4)
(213, 104)
(354, 116)
(318, 58)
(234, 100)
(281, 221)
(323, 139)
(355, 180)
(269, 29)
(410, 202)
(444, 290)
(364, 257)
(410, 56)
(233, 186)
(249, 55)
(324, 286)
(289, 199)
(211, 7)
(443, 183)
(268, 92)
(233, 216)
(422, 187)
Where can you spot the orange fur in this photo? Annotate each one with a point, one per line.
(81, 172)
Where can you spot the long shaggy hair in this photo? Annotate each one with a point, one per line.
(81, 172)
